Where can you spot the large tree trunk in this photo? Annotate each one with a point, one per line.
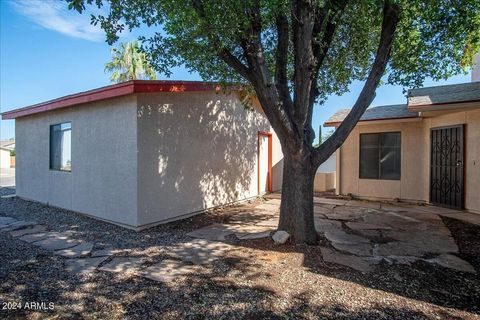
(296, 209)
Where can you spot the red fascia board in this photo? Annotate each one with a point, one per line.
(335, 123)
(116, 90)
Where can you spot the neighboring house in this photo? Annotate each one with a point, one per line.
(4, 158)
(5, 149)
(425, 151)
(141, 153)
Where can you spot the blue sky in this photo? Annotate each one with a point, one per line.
(47, 52)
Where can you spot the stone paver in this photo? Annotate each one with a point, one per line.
(6, 220)
(216, 232)
(473, 218)
(81, 250)
(346, 213)
(397, 233)
(341, 236)
(16, 225)
(322, 225)
(357, 249)
(201, 251)
(255, 235)
(105, 252)
(358, 263)
(407, 260)
(363, 204)
(123, 265)
(338, 202)
(321, 211)
(34, 229)
(425, 242)
(57, 243)
(37, 236)
(86, 265)
(167, 270)
(453, 262)
(366, 226)
(8, 196)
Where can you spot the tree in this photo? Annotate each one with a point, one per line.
(129, 63)
(322, 137)
(295, 53)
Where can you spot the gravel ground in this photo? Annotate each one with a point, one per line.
(260, 281)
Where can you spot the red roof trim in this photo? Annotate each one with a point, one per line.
(333, 123)
(116, 90)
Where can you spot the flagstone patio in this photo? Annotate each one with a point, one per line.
(360, 235)
(419, 258)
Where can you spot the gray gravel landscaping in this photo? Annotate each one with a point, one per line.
(374, 260)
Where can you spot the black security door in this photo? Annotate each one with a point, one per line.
(446, 166)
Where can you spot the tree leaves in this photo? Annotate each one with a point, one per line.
(436, 38)
(129, 63)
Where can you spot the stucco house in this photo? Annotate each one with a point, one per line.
(427, 150)
(6, 148)
(141, 153)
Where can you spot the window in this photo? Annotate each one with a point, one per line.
(380, 156)
(61, 147)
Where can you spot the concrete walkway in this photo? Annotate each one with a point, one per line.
(360, 235)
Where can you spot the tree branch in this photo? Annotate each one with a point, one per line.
(281, 76)
(224, 53)
(389, 25)
(325, 25)
(302, 24)
(235, 63)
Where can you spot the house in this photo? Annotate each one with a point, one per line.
(427, 150)
(6, 148)
(141, 153)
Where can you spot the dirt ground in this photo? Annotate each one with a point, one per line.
(261, 281)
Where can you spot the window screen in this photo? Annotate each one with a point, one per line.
(380, 156)
(61, 147)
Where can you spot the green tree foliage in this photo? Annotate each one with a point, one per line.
(295, 53)
(129, 63)
(436, 38)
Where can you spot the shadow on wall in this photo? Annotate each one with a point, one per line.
(196, 150)
(277, 175)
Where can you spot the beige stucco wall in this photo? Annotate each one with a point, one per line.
(471, 119)
(103, 181)
(4, 159)
(415, 160)
(324, 181)
(195, 151)
(147, 158)
(408, 187)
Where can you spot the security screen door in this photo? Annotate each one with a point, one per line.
(446, 166)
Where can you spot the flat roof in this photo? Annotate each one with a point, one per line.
(112, 91)
(389, 112)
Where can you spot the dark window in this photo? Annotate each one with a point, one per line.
(380, 156)
(61, 147)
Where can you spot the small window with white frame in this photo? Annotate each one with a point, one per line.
(61, 147)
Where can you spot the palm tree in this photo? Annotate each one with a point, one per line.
(129, 63)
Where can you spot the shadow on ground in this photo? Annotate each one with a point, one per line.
(256, 280)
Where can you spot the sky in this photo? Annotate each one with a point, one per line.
(47, 51)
